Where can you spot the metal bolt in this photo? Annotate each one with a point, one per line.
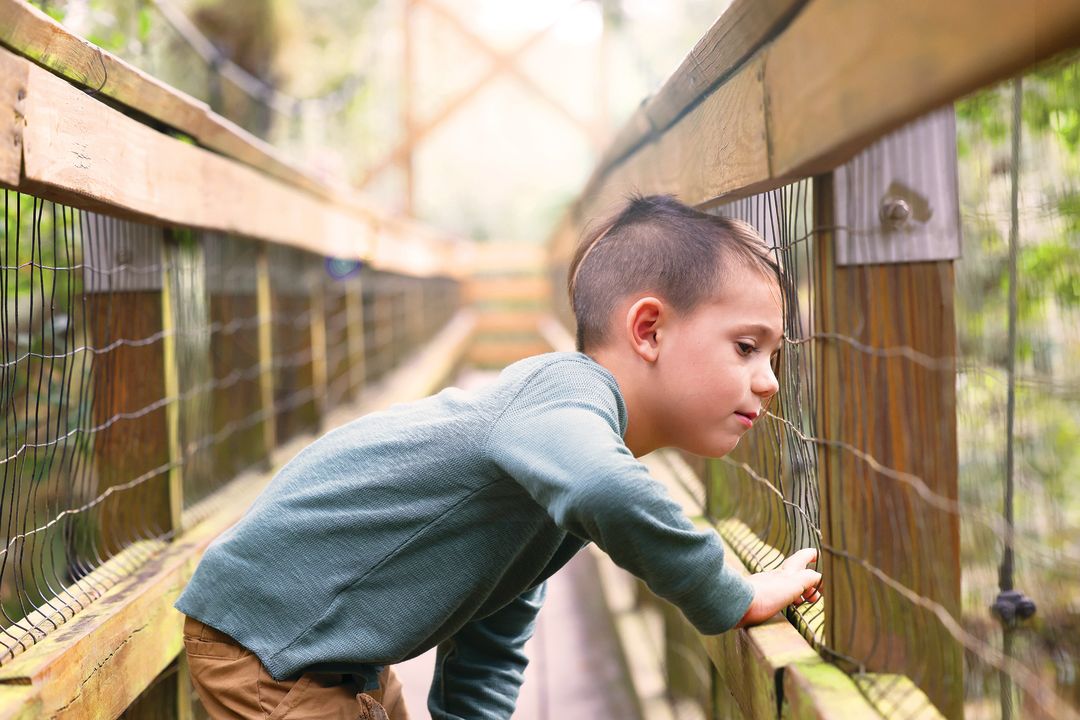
(895, 212)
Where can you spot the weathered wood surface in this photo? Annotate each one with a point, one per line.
(33, 34)
(845, 73)
(12, 95)
(840, 75)
(129, 414)
(97, 663)
(903, 415)
(77, 150)
(736, 35)
(509, 289)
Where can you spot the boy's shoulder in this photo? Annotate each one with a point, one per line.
(557, 368)
(559, 378)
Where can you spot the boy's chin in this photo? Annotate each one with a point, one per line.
(711, 447)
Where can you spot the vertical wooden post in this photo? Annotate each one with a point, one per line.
(126, 305)
(172, 383)
(354, 333)
(318, 351)
(266, 350)
(903, 414)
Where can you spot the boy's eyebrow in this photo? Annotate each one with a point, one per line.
(759, 329)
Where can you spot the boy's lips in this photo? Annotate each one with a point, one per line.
(746, 418)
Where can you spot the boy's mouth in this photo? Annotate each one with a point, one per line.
(746, 418)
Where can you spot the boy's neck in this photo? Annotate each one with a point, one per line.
(640, 437)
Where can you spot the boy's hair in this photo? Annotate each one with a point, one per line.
(657, 244)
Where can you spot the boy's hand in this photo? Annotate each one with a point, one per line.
(790, 584)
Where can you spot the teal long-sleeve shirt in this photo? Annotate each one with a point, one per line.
(436, 523)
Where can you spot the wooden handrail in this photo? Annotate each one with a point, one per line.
(63, 143)
(838, 76)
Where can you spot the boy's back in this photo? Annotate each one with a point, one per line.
(440, 519)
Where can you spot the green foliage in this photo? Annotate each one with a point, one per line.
(54, 11)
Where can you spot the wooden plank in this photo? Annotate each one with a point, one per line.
(171, 373)
(507, 258)
(119, 413)
(264, 302)
(12, 94)
(19, 702)
(30, 32)
(516, 321)
(902, 414)
(839, 76)
(815, 690)
(719, 147)
(319, 368)
(500, 354)
(535, 289)
(354, 312)
(895, 696)
(33, 34)
(845, 73)
(81, 152)
(743, 28)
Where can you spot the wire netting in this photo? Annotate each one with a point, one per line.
(927, 428)
(110, 328)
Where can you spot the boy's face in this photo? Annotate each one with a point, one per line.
(714, 368)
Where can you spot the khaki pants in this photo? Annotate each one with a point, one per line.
(234, 685)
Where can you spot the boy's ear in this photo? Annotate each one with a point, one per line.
(643, 321)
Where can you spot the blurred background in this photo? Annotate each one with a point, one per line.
(508, 103)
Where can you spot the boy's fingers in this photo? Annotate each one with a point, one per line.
(800, 559)
(809, 579)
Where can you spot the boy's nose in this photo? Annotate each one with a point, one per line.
(765, 384)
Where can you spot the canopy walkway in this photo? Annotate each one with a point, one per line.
(184, 310)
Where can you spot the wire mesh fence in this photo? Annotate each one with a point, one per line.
(110, 327)
(927, 428)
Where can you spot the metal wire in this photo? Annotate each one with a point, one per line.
(85, 466)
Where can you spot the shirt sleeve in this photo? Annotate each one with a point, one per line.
(560, 439)
(478, 671)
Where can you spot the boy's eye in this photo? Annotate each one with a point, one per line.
(746, 348)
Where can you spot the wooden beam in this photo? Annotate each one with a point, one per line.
(845, 73)
(79, 151)
(719, 147)
(33, 34)
(264, 303)
(744, 28)
(12, 93)
(839, 76)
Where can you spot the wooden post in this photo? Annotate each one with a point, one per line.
(354, 332)
(902, 414)
(318, 351)
(172, 383)
(266, 350)
(131, 442)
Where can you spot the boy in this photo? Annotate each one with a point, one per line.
(435, 523)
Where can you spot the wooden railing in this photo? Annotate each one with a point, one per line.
(860, 457)
(217, 307)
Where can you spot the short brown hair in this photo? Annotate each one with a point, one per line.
(657, 244)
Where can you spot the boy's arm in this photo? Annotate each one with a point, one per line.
(568, 455)
(478, 672)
